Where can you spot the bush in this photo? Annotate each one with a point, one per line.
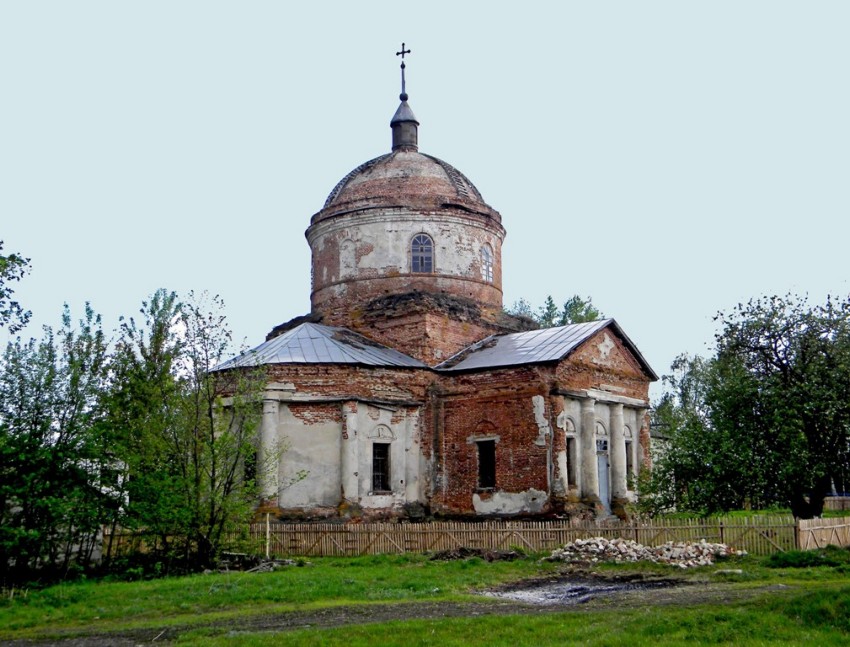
(829, 556)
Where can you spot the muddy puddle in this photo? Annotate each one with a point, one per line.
(571, 592)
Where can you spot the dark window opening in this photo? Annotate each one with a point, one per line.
(486, 464)
(422, 254)
(572, 459)
(381, 467)
(250, 467)
(630, 463)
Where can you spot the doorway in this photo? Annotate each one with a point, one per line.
(604, 476)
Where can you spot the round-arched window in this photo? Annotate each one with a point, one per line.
(487, 263)
(422, 254)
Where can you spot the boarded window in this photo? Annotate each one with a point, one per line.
(381, 467)
(486, 463)
(422, 254)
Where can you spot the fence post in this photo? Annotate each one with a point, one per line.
(268, 535)
(797, 534)
(722, 538)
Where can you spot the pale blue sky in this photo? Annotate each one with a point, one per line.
(667, 158)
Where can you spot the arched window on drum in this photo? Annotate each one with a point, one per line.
(487, 263)
(422, 254)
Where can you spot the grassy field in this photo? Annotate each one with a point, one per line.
(804, 599)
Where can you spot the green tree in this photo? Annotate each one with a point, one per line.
(766, 421)
(575, 310)
(547, 314)
(55, 484)
(12, 268)
(185, 448)
(698, 467)
(521, 308)
(578, 310)
(787, 386)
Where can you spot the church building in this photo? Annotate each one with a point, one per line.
(408, 391)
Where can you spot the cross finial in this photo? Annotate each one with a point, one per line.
(403, 95)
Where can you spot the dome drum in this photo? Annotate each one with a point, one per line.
(379, 253)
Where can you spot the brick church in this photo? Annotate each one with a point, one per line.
(409, 391)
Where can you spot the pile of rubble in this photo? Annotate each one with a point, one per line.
(682, 554)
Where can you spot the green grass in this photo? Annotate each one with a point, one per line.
(809, 619)
(790, 603)
(328, 581)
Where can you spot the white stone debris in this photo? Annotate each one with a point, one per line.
(681, 554)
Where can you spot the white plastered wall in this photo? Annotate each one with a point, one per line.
(375, 424)
(315, 449)
(384, 244)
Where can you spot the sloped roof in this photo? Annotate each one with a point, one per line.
(535, 347)
(312, 343)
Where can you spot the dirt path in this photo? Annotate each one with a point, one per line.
(678, 593)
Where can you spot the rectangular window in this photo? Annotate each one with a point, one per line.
(572, 460)
(630, 462)
(381, 467)
(486, 464)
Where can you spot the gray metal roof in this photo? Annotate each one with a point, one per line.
(312, 343)
(534, 347)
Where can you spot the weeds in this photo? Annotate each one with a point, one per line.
(831, 556)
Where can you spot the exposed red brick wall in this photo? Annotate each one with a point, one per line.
(454, 407)
(346, 382)
(472, 405)
(316, 413)
(586, 369)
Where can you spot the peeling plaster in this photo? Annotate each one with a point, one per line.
(605, 347)
(543, 429)
(562, 420)
(530, 501)
(561, 485)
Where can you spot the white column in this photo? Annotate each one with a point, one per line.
(411, 457)
(589, 470)
(267, 460)
(349, 456)
(618, 453)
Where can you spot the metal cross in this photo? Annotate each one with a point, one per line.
(403, 95)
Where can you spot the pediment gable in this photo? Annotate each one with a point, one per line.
(607, 350)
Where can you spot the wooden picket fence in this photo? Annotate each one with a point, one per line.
(837, 503)
(817, 533)
(758, 535)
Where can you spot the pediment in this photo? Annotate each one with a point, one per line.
(605, 350)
